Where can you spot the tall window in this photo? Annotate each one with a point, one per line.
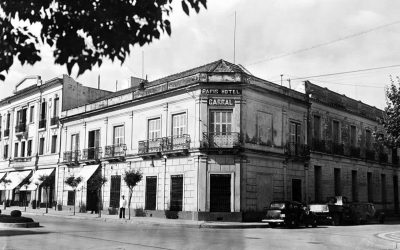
(368, 139)
(221, 121)
(41, 146)
(21, 116)
(264, 128)
(178, 124)
(119, 135)
(154, 129)
(31, 113)
(8, 121)
(43, 111)
(353, 136)
(354, 185)
(23, 149)
(16, 149)
(317, 183)
(383, 188)
(370, 187)
(74, 142)
(295, 132)
(335, 132)
(5, 152)
(317, 127)
(115, 190)
(54, 144)
(29, 149)
(337, 179)
(55, 108)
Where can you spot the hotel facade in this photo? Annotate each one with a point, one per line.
(217, 143)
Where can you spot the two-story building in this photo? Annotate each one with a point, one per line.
(210, 142)
(348, 156)
(30, 134)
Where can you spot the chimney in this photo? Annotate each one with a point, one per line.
(136, 81)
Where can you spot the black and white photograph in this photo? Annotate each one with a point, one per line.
(199, 124)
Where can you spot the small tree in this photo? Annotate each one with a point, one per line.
(73, 182)
(4, 182)
(47, 181)
(391, 120)
(27, 182)
(95, 183)
(132, 178)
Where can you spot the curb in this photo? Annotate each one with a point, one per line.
(19, 225)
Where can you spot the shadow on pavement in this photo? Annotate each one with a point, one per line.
(13, 232)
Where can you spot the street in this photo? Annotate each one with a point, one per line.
(61, 233)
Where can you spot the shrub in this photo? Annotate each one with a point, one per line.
(16, 213)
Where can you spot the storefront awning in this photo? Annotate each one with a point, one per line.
(16, 178)
(85, 173)
(2, 175)
(35, 182)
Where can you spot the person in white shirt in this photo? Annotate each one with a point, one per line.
(122, 206)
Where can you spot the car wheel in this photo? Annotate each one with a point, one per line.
(314, 224)
(336, 220)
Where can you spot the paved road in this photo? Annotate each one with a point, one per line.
(59, 233)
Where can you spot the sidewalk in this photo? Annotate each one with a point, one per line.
(135, 220)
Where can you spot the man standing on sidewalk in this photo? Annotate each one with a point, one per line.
(122, 206)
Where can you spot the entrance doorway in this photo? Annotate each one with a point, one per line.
(151, 193)
(220, 193)
(176, 192)
(296, 190)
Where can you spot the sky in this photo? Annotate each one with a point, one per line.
(294, 38)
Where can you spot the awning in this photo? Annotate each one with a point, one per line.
(35, 182)
(16, 178)
(2, 175)
(85, 173)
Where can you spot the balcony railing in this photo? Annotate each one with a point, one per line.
(170, 143)
(354, 152)
(337, 148)
(20, 128)
(22, 159)
(42, 123)
(318, 145)
(54, 121)
(221, 140)
(93, 153)
(383, 157)
(296, 149)
(113, 151)
(71, 156)
(6, 132)
(370, 154)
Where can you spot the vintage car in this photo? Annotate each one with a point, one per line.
(290, 214)
(322, 213)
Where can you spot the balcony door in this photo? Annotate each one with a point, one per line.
(295, 137)
(93, 143)
(220, 129)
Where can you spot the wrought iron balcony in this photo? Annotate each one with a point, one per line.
(20, 128)
(115, 152)
(150, 146)
(383, 157)
(54, 121)
(296, 149)
(354, 152)
(91, 154)
(337, 148)
(179, 142)
(22, 159)
(71, 157)
(6, 132)
(42, 123)
(370, 154)
(318, 145)
(221, 140)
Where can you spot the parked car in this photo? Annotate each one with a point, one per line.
(322, 213)
(290, 214)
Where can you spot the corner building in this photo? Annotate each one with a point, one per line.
(213, 143)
